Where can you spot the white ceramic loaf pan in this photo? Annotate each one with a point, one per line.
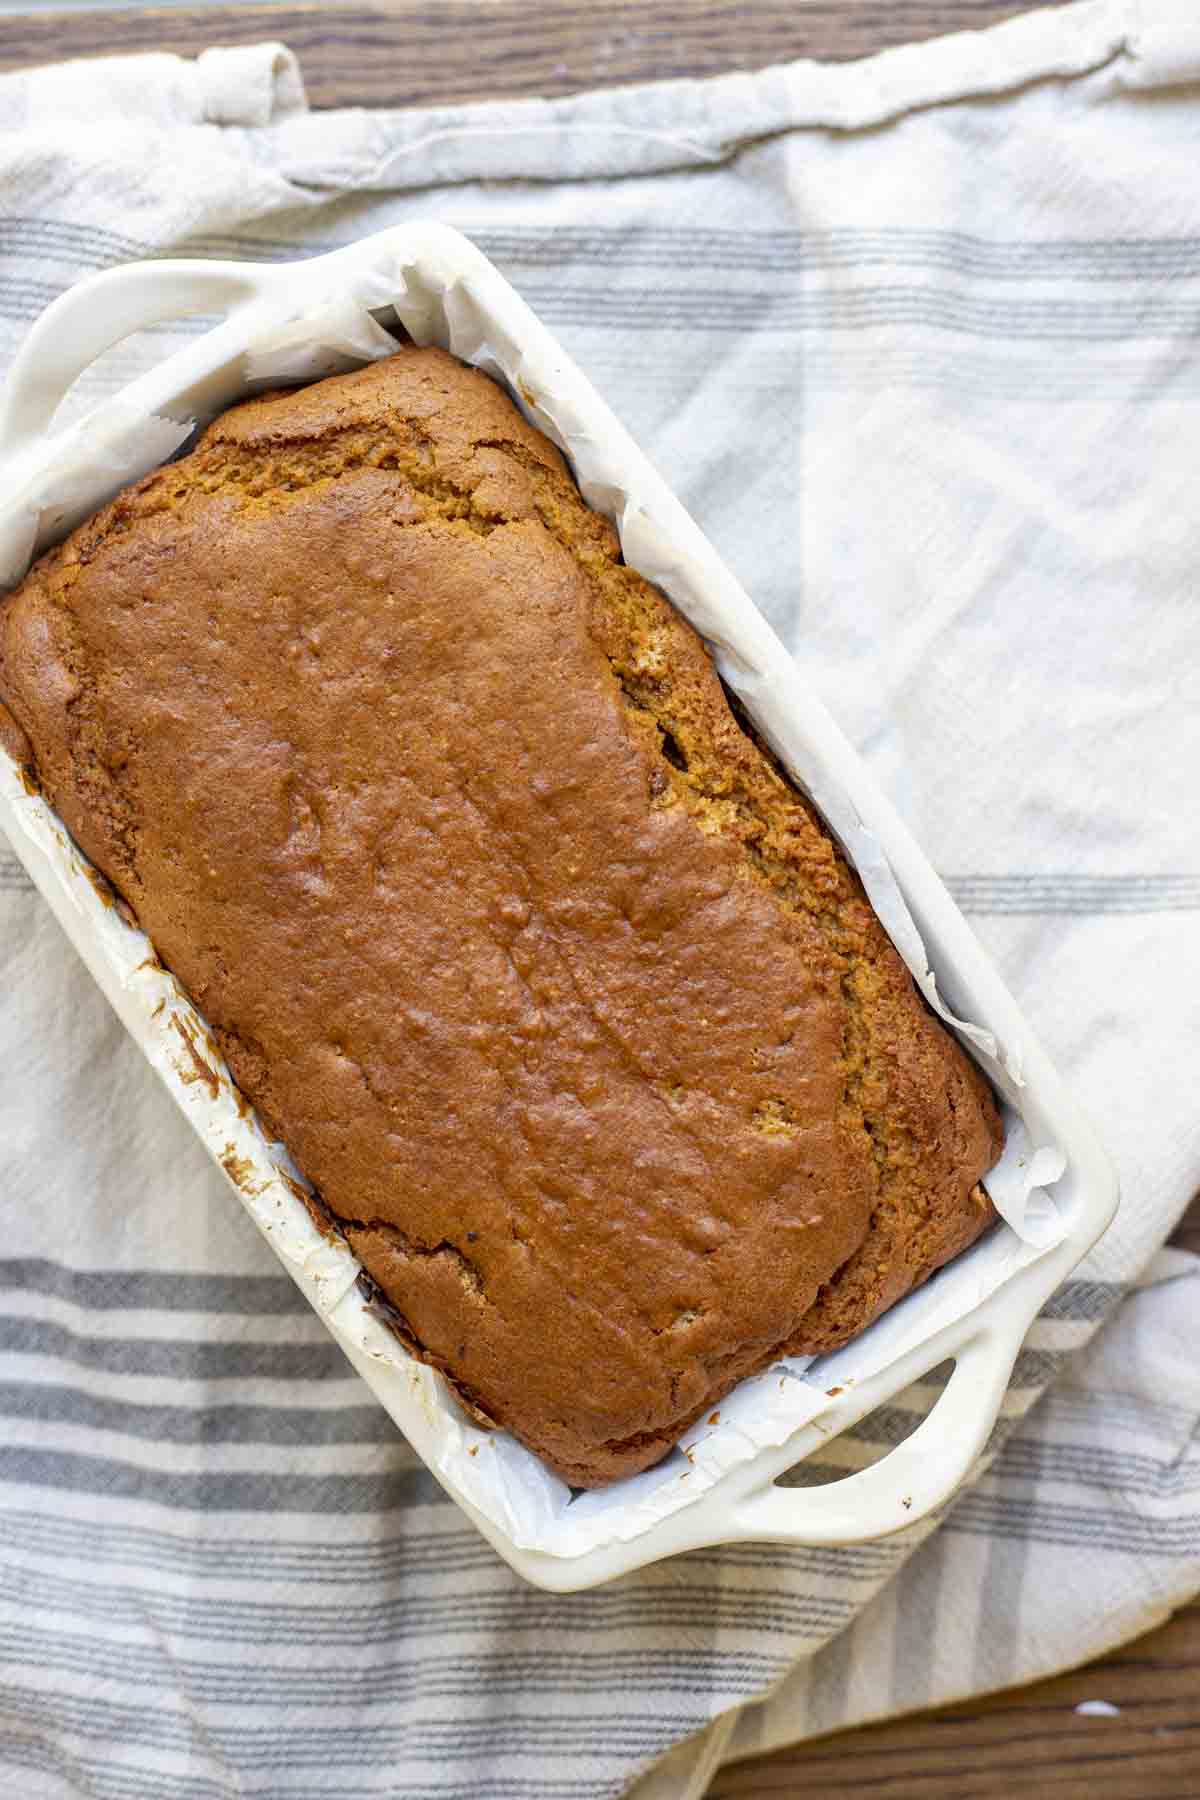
(306, 319)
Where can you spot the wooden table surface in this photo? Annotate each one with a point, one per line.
(407, 52)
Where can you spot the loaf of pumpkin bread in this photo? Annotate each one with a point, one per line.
(557, 991)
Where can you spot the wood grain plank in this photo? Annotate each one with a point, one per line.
(1028, 1740)
(422, 52)
(1187, 1233)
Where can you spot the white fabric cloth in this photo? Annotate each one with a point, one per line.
(931, 387)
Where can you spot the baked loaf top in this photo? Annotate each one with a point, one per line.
(557, 991)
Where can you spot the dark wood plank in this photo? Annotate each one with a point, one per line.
(1187, 1233)
(420, 52)
(1030, 1740)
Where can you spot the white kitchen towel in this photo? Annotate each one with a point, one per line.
(918, 342)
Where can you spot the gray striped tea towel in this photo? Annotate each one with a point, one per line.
(918, 341)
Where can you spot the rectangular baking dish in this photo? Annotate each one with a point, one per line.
(306, 319)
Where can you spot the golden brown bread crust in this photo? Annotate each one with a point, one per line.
(557, 991)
